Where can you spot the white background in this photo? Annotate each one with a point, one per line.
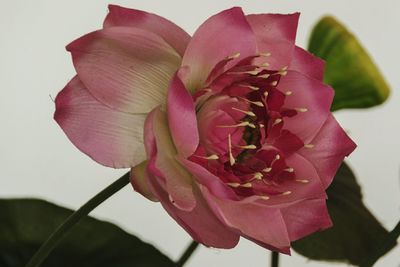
(37, 160)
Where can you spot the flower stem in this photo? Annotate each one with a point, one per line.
(274, 259)
(186, 255)
(384, 247)
(57, 236)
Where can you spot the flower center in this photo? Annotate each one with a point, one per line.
(241, 115)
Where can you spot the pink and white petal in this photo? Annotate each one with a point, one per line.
(201, 223)
(308, 64)
(110, 137)
(139, 181)
(179, 183)
(330, 146)
(222, 35)
(306, 217)
(275, 34)
(182, 118)
(312, 98)
(169, 31)
(128, 69)
(256, 222)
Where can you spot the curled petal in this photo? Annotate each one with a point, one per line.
(308, 64)
(311, 98)
(110, 137)
(329, 147)
(139, 180)
(306, 217)
(128, 69)
(201, 223)
(221, 36)
(177, 179)
(259, 223)
(182, 118)
(169, 31)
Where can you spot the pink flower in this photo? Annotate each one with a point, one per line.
(238, 135)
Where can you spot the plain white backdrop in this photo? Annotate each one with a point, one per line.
(37, 160)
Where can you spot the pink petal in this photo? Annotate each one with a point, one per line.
(125, 68)
(331, 145)
(310, 95)
(110, 137)
(179, 183)
(223, 35)
(256, 222)
(308, 64)
(169, 31)
(139, 181)
(182, 118)
(275, 34)
(306, 217)
(200, 223)
(209, 180)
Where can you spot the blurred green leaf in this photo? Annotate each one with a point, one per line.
(349, 69)
(26, 223)
(355, 233)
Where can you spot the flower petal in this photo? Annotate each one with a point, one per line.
(201, 223)
(308, 64)
(222, 35)
(330, 146)
(256, 222)
(306, 217)
(139, 181)
(182, 118)
(110, 137)
(275, 34)
(169, 31)
(312, 97)
(125, 68)
(178, 180)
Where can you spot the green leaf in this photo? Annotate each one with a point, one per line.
(26, 223)
(349, 69)
(355, 234)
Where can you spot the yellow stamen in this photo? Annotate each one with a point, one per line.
(231, 158)
(303, 181)
(249, 113)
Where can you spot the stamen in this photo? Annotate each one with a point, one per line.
(265, 54)
(289, 170)
(251, 72)
(301, 109)
(277, 121)
(303, 181)
(286, 193)
(236, 55)
(258, 176)
(249, 113)
(264, 197)
(264, 76)
(255, 88)
(274, 83)
(266, 64)
(231, 158)
(257, 103)
(211, 157)
(242, 124)
(235, 185)
(288, 93)
(266, 93)
(267, 169)
(248, 147)
(308, 145)
(246, 185)
(261, 125)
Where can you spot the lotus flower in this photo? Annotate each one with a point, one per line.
(229, 129)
